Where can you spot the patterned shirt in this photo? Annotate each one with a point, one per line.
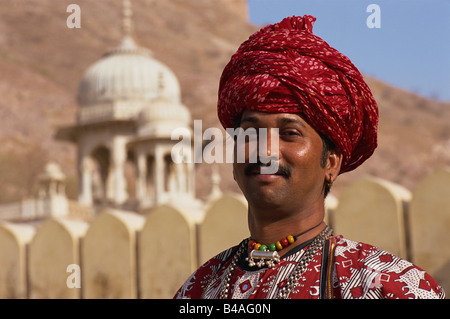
(353, 270)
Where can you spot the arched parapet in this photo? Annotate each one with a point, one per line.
(56, 246)
(167, 251)
(225, 225)
(109, 255)
(374, 211)
(14, 239)
(430, 225)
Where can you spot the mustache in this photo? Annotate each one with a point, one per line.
(282, 170)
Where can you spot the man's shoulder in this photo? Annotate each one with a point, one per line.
(356, 255)
(218, 260)
(366, 271)
(194, 286)
(351, 249)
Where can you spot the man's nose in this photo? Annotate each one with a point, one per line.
(268, 145)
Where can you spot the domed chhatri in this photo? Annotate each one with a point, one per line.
(128, 73)
(129, 106)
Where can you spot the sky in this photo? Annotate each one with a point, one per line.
(409, 49)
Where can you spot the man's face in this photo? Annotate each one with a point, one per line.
(299, 181)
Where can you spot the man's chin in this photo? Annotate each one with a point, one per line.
(265, 196)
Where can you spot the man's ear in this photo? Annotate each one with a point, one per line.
(334, 162)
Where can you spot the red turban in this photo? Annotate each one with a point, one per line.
(285, 68)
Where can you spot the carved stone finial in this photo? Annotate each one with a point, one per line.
(127, 14)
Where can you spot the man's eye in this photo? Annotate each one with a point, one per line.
(291, 133)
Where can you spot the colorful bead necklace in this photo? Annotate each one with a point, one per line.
(279, 245)
(267, 255)
(297, 272)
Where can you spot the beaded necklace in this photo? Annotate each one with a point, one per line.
(299, 269)
(267, 255)
(279, 245)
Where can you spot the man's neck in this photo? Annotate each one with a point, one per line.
(267, 228)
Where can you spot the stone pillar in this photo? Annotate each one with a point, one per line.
(141, 187)
(159, 175)
(118, 158)
(85, 185)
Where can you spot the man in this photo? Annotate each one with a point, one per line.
(286, 79)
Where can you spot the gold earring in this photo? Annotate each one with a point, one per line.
(330, 182)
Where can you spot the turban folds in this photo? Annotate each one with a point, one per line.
(285, 68)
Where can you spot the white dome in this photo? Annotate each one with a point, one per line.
(127, 73)
(161, 116)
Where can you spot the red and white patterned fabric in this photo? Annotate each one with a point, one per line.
(359, 271)
(284, 67)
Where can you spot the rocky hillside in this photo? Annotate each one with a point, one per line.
(42, 61)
